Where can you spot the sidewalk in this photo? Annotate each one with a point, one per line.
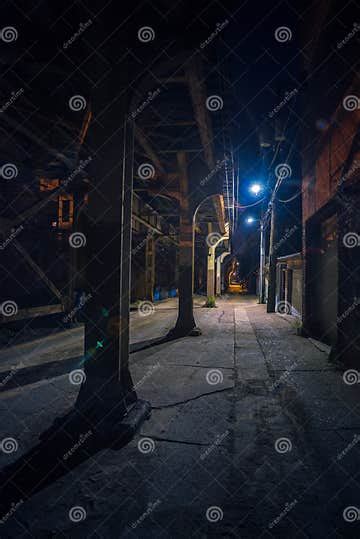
(252, 434)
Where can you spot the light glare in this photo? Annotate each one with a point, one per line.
(255, 188)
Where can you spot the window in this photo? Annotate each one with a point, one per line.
(66, 211)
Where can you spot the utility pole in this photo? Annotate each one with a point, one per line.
(271, 302)
(262, 261)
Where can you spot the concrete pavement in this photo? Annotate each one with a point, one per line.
(253, 434)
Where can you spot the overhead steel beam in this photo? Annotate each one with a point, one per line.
(198, 97)
(153, 228)
(7, 224)
(35, 267)
(150, 152)
(37, 270)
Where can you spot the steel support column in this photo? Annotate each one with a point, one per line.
(107, 390)
(271, 302)
(262, 264)
(185, 324)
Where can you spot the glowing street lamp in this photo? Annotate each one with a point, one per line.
(250, 220)
(255, 188)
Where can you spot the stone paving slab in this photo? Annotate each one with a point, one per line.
(152, 326)
(216, 415)
(249, 358)
(220, 449)
(203, 352)
(27, 411)
(180, 383)
(324, 384)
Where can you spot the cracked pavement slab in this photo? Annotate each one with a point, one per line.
(271, 439)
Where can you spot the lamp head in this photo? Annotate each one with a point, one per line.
(255, 188)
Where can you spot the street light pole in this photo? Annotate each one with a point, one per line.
(271, 300)
(262, 262)
(256, 188)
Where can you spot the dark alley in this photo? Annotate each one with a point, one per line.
(179, 269)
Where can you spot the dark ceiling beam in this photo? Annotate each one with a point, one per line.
(154, 228)
(198, 97)
(38, 141)
(148, 149)
(31, 262)
(8, 224)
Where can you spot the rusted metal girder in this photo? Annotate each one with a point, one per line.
(8, 224)
(31, 262)
(153, 228)
(169, 187)
(185, 324)
(37, 269)
(150, 152)
(198, 97)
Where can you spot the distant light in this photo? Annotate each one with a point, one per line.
(250, 220)
(322, 124)
(255, 188)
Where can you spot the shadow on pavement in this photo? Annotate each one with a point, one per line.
(70, 441)
(14, 378)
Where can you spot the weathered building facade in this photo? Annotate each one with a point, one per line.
(330, 188)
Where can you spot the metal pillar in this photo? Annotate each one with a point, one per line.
(262, 264)
(185, 323)
(107, 390)
(271, 302)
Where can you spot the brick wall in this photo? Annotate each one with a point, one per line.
(328, 171)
